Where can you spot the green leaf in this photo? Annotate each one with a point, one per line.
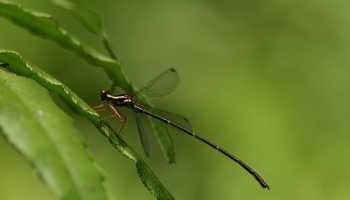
(164, 139)
(46, 26)
(47, 138)
(20, 66)
(88, 18)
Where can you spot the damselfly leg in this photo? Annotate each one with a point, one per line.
(102, 108)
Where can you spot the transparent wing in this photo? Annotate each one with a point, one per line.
(173, 117)
(164, 84)
(143, 135)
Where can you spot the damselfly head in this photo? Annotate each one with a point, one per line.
(104, 95)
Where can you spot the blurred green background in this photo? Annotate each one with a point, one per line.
(267, 81)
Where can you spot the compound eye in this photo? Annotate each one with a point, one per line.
(103, 94)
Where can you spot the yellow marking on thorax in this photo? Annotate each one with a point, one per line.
(110, 96)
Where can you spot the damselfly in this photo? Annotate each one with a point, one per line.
(163, 84)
